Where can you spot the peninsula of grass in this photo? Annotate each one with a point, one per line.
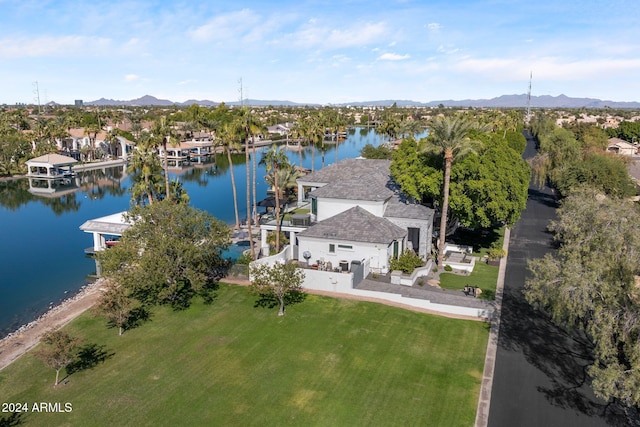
(327, 362)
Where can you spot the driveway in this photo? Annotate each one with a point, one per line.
(539, 377)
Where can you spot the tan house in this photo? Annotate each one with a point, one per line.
(620, 146)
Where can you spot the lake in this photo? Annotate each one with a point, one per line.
(42, 250)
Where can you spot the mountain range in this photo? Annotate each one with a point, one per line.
(504, 101)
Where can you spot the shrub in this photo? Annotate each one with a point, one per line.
(407, 262)
(448, 268)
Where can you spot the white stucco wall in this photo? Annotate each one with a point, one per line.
(377, 255)
(331, 207)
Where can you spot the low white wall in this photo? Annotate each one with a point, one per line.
(342, 283)
(398, 278)
(462, 266)
(328, 281)
(343, 287)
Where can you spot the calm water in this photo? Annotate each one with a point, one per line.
(42, 246)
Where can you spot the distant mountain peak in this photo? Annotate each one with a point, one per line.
(503, 101)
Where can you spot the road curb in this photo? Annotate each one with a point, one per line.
(484, 402)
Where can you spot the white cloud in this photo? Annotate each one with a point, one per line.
(230, 26)
(187, 82)
(434, 27)
(49, 46)
(393, 57)
(131, 78)
(319, 35)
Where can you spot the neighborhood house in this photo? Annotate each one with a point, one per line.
(358, 216)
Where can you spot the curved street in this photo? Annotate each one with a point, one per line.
(540, 371)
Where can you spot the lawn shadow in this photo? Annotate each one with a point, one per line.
(89, 356)
(137, 317)
(12, 420)
(563, 357)
(270, 301)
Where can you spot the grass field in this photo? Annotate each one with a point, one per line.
(328, 362)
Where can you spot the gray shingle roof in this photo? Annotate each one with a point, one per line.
(370, 186)
(356, 225)
(347, 169)
(399, 207)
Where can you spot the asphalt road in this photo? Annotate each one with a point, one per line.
(540, 377)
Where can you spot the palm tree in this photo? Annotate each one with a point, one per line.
(276, 160)
(163, 133)
(250, 127)
(449, 136)
(145, 163)
(228, 133)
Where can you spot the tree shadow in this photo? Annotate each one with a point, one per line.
(478, 238)
(269, 300)
(546, 199)
(208, 292)
(89, 356)
(12, 420)
(564, 357)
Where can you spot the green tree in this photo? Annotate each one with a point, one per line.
(491, 187)
(117, 305)
(590, 287)
(170, 253)
(276, 160)
(379, 152)
(146, 167)
(604, 172)
(277, 280)
(416, 172)
(57, 351)
(449, 136)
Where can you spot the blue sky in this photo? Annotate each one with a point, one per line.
(318, 51)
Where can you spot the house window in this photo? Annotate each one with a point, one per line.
(395, 249)
(314, 206)
(332, 248)
(345, 247)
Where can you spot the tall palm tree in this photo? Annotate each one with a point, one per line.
(164, 134)
(147, 170)
(228, 133)
(449, 136)
(250, 128)
(276, 160)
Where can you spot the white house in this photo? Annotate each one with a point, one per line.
(357, 214)
(620, 146)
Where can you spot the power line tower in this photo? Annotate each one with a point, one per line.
(36, 92)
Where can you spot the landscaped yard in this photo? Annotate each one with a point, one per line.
(328, 362)
(483, 276)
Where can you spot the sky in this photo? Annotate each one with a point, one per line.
(317, 51)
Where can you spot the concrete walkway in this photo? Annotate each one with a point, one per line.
(427, 292)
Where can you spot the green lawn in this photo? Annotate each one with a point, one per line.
(328, 362)
(483, 276)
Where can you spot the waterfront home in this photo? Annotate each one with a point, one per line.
(358, 215)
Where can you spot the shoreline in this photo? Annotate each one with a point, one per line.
(27, 336)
